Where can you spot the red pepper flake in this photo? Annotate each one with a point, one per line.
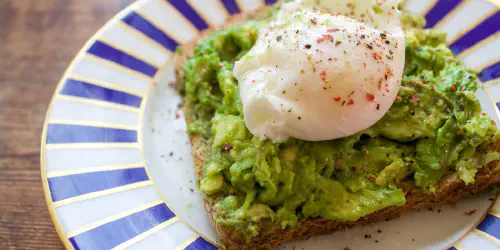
(339, 164)
(453, 88)
(253, 81)
(370, 97)
(227, 146)
(415, 98)
(323, 73)
(177, 116)
(337, 99)
(371, 178)
(350, 102)
(389, 72)
(441, 162)
(364, 65)
(353, 169)
(319, 40)
(327, 37)
(471, 212)
(377, 56)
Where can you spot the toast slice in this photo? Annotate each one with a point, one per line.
(450, 189)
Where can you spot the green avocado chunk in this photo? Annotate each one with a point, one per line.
(434, 128)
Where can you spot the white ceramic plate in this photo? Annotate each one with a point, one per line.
(116, 161)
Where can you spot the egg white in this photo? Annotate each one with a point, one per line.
(322, 70)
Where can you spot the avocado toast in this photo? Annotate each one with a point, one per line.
(433, 146)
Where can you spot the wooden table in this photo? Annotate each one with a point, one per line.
(38, 39)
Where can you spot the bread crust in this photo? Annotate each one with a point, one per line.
(450, 189)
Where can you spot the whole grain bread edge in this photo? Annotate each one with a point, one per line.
(450, 189)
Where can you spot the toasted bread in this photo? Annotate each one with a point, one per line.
(450, 189)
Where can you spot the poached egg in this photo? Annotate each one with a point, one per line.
(322, 70)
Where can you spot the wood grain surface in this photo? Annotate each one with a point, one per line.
(38, 40)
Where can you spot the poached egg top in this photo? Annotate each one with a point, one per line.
(322, 70)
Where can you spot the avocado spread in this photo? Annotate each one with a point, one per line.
(434, 129)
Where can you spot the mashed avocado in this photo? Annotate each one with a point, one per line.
(435, 128)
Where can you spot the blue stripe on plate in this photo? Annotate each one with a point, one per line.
(200, 244)
(439, 11)
(485, 29)
(145, 27)
(69, 186)
(187, 11)
(107, 52)
(231, 6)
(490, 225)
(116, 232)
(269, 2)
(63, 133)
(491, 72)
(452, 248)
(86, 90)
